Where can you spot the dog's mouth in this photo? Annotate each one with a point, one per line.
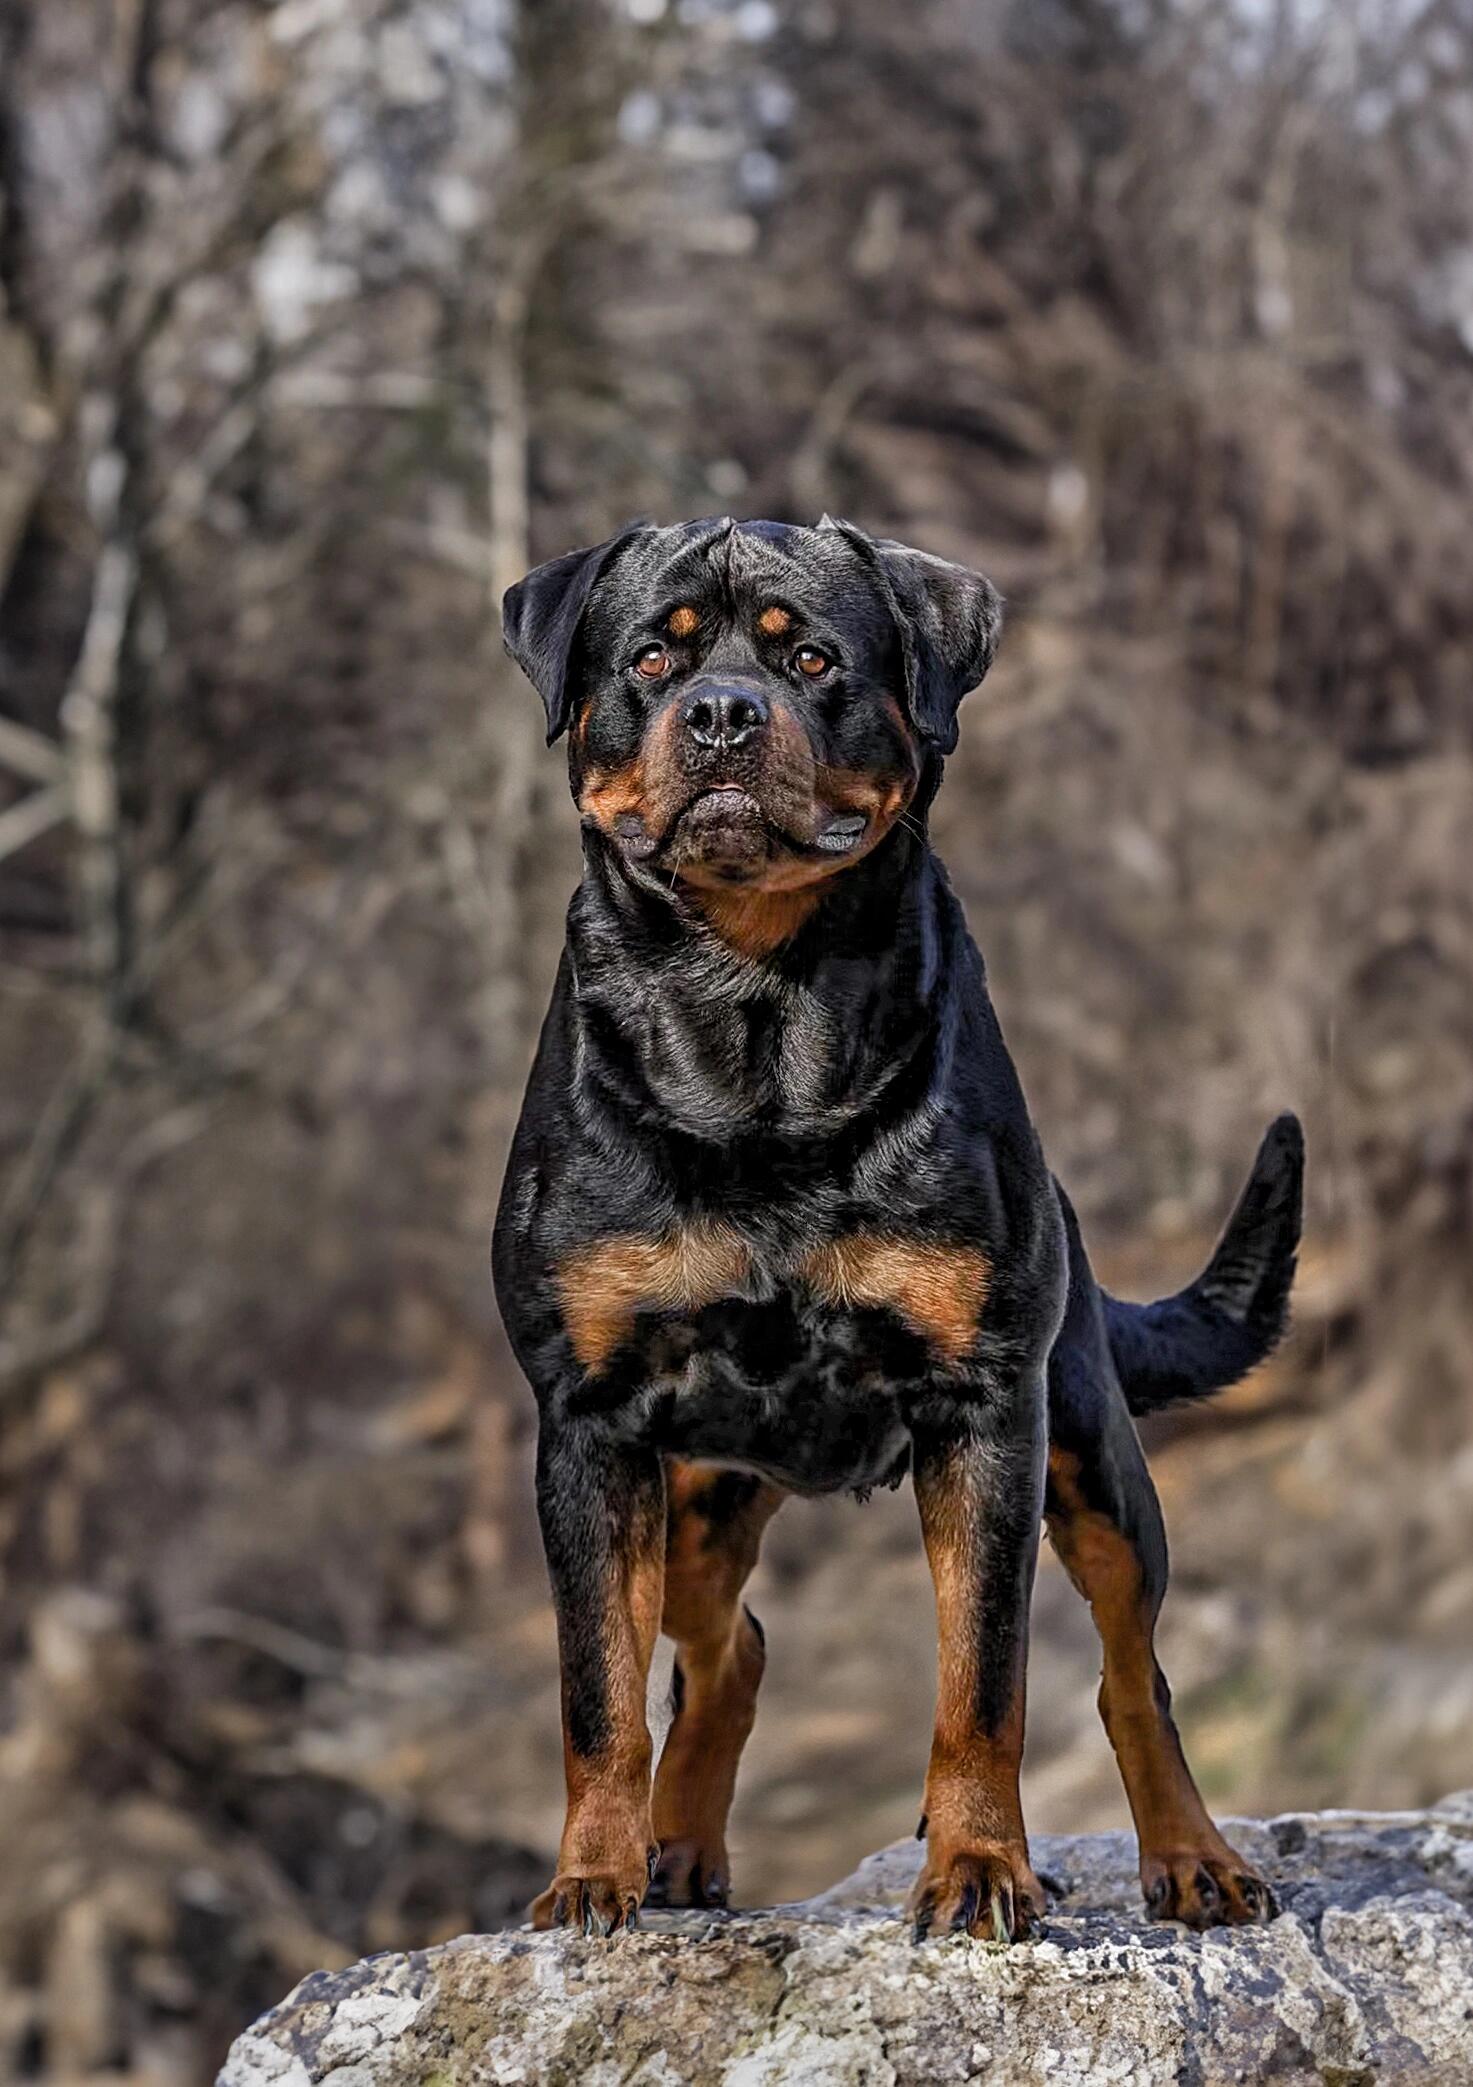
(725, 823)
(726, 805)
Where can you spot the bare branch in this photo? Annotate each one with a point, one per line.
(34, 815)
(88, 717)
(29, 753)
(21, 1360)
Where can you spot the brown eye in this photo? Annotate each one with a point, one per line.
(811, 661)
(653, 662)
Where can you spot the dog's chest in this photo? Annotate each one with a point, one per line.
(798, 1365)
(811, 1394)
(806, 1300)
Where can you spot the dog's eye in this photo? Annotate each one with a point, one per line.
(810, 661)
(653, 662)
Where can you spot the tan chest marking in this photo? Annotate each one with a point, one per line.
(604, 1286)
(752, 921)
(939, 1291)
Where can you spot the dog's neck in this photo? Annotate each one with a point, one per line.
(677, 1026)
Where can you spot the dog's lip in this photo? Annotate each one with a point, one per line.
(840, 831)
(630, 831)
(736, 799)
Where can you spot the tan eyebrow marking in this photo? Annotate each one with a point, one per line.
(682, 621)
(774, 622)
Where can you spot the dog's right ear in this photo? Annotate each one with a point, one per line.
(540, 618)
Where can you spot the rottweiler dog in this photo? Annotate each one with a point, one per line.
(776, 1221)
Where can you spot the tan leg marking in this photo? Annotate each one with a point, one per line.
(1188, 1871)
(977, 1876)
(608, 1839)
(719, 1658)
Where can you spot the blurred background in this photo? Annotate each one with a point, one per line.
(319, 322)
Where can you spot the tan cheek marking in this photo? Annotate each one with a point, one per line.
(660, 763)
(649, 785)
(884, 797)
(939, 1291)
(605, 795)
(774, 622)
(683, 622)
(605, 1285)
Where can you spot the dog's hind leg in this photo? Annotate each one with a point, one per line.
(714, 1529)
(1105, 1522)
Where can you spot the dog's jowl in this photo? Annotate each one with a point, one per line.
(776, 1220)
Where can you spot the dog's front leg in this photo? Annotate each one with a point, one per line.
(601, 1504)
(979, 1486)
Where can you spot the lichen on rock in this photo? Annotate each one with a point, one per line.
(1365, 1977)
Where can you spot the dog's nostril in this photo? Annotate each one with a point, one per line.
(743, 717)
(701, 721)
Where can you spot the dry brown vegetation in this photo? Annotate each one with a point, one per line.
(319, 320)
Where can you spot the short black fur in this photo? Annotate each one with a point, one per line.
(774, 1150)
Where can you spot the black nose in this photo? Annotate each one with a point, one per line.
(725, 717)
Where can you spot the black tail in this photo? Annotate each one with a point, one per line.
(1213, 1332)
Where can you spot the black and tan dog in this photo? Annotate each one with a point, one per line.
(776, 1221)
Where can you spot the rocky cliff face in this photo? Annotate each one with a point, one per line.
(1366, 1977)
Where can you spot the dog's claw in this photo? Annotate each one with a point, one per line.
(587, 1906)
(988, 1893)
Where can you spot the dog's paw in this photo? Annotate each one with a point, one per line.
(988, 1891)
(1205, 1889)
(595, 1905)
(690, 1874)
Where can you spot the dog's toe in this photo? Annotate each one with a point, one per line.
(690, 1874)
(1206, 1890)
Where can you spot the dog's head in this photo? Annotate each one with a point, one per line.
(750, 705)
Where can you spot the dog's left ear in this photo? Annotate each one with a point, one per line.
(949, 619)
(540, 618)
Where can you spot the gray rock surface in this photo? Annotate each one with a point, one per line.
(1366, 1976)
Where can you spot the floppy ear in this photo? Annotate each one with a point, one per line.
(949, 619)
(540, 618)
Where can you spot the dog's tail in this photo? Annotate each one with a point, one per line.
(1213, 1332)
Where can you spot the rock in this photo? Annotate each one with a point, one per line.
(1365, 1977)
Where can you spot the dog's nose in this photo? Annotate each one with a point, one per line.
(725, 717)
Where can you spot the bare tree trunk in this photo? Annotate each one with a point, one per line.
(518, 740)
